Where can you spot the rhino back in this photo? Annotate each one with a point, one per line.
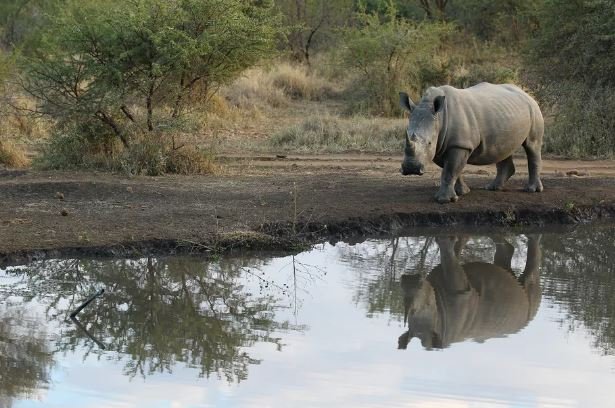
(496, 305)
(490, 120)
(504, 306)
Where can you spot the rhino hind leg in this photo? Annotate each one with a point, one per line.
(534, 162)
(505, 170)
(461, 188)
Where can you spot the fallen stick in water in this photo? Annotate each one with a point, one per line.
(82, 327)
(87, 302)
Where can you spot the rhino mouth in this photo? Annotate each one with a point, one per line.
(412, 170)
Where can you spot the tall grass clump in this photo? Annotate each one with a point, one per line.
(254, 89)
(275, 86)
(11, 156)
(334, 134)
(297, 83)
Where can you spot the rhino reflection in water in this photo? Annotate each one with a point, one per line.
(475, 300)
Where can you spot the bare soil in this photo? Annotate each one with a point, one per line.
(271, 201)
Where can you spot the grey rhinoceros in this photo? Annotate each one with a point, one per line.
(483, 124)
(475, 300)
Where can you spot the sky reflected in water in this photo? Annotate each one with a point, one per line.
(443, 321)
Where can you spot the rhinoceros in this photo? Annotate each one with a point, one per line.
(475, 300)
(483, 124)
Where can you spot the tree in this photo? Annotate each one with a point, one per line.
(508, 22)
(434, 9)
(575, 41)
(19, 18)
(309, 19)
(25, 356)
(570, 61)
(131, 66)
(386, 52)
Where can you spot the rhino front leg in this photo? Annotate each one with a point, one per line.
(456, 279)
(534, 163)
(504, 252)
(505, 170)
(454, 163)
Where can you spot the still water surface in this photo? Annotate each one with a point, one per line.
(426, 321)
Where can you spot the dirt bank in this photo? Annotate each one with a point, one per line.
(252, 203)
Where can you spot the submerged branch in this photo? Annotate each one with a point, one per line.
(87, 302)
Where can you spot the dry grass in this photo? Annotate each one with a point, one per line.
(297, 83)
(11, 156)
(335, 134)
(259, 87)
(254, 90)
(190, 160)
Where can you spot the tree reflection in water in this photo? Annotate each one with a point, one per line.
(581, 268)
(25, 358)
(159, 312)
(380, 292)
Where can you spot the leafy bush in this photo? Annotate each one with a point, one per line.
(72, 148)
(77, 146)
(570, 62)
(386, 53)
(583, 125)
(574, 41)
(132, 67)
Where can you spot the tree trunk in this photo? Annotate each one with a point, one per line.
(108, 120)
(150, 107)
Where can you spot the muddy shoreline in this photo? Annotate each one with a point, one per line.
(285, 206)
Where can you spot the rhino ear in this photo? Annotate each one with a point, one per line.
(405, 102)
(438, 103)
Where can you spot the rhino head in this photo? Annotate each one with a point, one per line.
(420, 313)
(423, 129)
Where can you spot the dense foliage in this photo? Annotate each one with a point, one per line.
(135, 71)
(117, 78)
(571, 60)
(388, 53)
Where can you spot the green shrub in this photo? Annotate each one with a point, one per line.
(385, 53)
(134, 67)
(569, 64)
(147, 157)
(582, 125)
(151, 156)
(78, 145)
(574, 41)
